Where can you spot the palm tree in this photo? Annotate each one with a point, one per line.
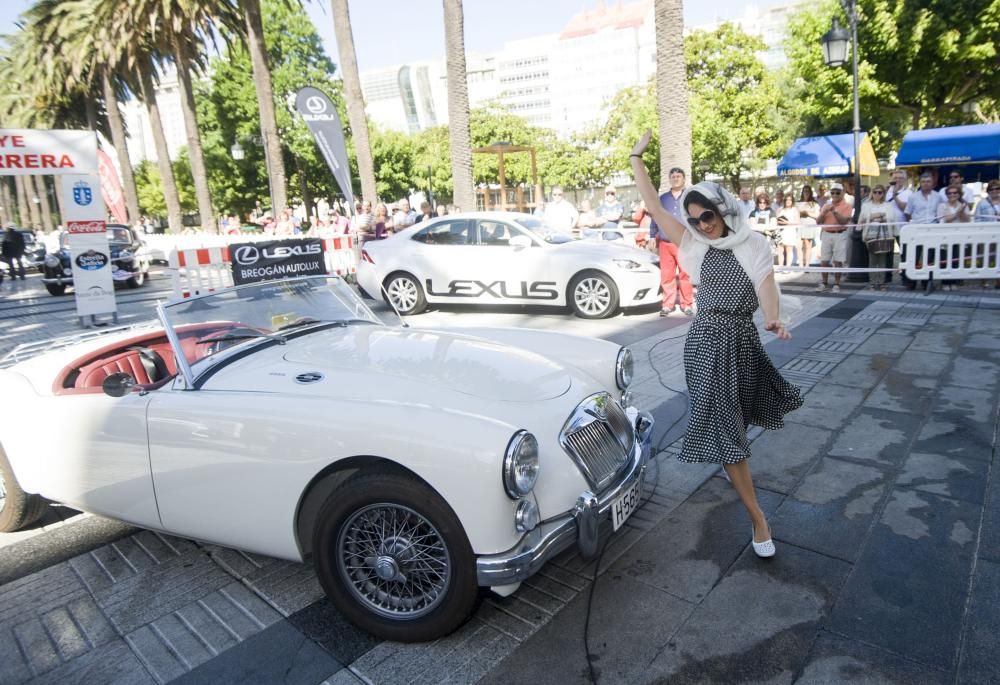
(352, 92)
(265, 101)
(671, 89)
(459, 134)
(109, 86)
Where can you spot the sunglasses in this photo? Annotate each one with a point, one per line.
(706, 217)
(878, 192)
(836, 192)
(609, 193)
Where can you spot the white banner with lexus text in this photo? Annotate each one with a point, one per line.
(25, 151)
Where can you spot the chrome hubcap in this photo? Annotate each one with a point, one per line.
(403, 293)
(592, 296)
(394, 561)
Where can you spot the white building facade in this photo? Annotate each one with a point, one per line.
(140, 134)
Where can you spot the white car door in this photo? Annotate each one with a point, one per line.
(444, 257)
(513, 265)
(98, 457)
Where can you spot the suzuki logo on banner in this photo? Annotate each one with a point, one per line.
(82, 193)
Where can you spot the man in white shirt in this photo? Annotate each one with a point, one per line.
(955, 178)
(404, 217)
(898, 194)
(747, 205)
(559, 213)
(922, 205)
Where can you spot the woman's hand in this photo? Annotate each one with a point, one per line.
(643, 143)
(778, 329)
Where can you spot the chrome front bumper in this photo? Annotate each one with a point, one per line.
(577, 525)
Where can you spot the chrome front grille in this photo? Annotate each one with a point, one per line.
(598, 436)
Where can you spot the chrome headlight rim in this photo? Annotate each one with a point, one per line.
(624, 368)
(51, 261)
(526, 517)
(627, 399)
(520, 465)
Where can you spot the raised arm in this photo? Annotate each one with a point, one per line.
(664, 219)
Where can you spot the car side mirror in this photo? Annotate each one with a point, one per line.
(520, 242)
(118, 384)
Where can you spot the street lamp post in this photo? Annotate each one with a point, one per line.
(835, 43)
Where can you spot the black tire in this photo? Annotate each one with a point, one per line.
(56, 289)
(18, 508)
(405, 293)
(600, 299)
(341, 534)
(138, 280)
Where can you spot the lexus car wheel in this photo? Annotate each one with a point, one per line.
(592, 295)
(405, 294)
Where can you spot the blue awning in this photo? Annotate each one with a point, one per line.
(826, 156)
(975, 144)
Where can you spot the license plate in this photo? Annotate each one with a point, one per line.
(625, 505)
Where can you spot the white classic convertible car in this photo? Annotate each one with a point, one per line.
(411, 466)
(502, 258)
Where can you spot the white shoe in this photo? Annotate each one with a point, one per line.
(764, 549)
(820, 288)
(835, 289)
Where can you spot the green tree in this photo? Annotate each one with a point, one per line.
(393, 154)
(150, 188)
(734, 101)
(922, 64)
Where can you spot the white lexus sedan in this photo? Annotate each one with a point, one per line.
(412, 467)
(502, 258)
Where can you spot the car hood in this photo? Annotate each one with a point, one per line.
(605, 250)
(463, 364)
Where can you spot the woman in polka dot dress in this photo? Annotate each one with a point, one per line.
(732, 383)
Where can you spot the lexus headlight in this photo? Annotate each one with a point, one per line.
(520, 464)
(51, 261)
(629, 264)
(624, 368)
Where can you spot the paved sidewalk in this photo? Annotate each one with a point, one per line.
(879, 490)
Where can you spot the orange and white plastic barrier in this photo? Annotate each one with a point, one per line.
(198, 270)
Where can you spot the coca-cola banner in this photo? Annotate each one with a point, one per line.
(111, 188)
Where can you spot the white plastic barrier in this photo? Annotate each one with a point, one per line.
(950, 251)
(202, 269)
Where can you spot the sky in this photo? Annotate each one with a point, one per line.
(390, 32)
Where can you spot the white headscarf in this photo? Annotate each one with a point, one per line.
(751, 249)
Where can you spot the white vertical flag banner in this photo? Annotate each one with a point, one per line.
(90, 255)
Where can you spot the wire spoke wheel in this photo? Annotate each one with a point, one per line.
(592, 296)
(394, 561)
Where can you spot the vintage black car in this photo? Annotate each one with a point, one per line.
(129, 261)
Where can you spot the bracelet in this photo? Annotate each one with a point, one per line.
(635, 155)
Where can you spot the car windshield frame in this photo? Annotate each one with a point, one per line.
(254, 316)
(113, 230)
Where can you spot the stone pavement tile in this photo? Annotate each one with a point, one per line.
(980, 660)
(832, 509)
(955, 438)
(972, 409)
(146, 576)
(287, 585)
(325, 626)
(835, 659)
(877, 436)
(179, 641)
(944, 342)
(757, 624)
(927, 364)
(908, 589)
(112, 664)
(861, 371)
(782, 457)
(890, 344)
(279, 654)
(845, 309)
(902, 393)
(989, 541)
(343, 677)
(692, 548)
(828, 405)
(963, 479)
(975, 371)
(629, 624)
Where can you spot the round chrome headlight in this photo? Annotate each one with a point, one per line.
(520, 464)
(125, 255)
(526, 517)
(627, 399)
(51, 261)
(624, 368)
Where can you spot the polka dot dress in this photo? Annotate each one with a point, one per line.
(731, 381)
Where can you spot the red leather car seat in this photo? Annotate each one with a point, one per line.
(130, 361)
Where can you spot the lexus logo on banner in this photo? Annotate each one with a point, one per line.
(265, 261)
(321, 117)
